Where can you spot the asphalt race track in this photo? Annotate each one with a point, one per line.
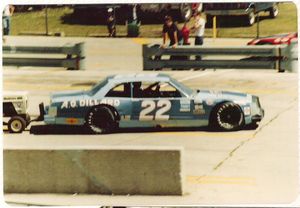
(244, 167)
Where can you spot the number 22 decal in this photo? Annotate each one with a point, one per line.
(149, 105)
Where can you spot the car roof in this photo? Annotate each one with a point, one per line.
(280, 35)
(139, 77)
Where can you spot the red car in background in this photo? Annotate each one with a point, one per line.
(275, 39)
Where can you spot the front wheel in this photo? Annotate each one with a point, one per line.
(251, 18)
(274, 11)
(101, 120)
(228, 116)
(16, 124)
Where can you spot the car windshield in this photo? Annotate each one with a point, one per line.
(182, 87)
(98, 86)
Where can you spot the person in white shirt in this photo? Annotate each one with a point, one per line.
(199, 28)
(7, 13)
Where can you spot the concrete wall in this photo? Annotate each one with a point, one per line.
(94, 171)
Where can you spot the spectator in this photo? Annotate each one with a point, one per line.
(111, 23)
(199, 28)
(171, 31)
(6, 21)
(185, 31)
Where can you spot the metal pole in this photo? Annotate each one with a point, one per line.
(134, 15)
(214, 27)
(257, 26)
(46, 19)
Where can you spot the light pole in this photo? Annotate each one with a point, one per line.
(46, 19)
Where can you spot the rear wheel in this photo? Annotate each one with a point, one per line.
(227, 116)
(16, 124)
(101, 120)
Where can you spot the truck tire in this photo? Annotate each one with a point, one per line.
(16, 124)
(186, 11)
(101, 120)
(251, 18)
(274, 11)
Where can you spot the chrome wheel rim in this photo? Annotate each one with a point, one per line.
(16, 125)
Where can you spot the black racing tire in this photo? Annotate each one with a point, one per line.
(227, 116)
(252, 126)
(274, 11)
(101, 120)
(16, 124)
(186, 11)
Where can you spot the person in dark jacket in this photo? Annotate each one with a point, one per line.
(171, 32)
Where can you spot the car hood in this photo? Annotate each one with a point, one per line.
(67, 95)
(212, 96)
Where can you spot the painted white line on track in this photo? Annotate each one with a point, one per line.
(193, 77)
(201, 75)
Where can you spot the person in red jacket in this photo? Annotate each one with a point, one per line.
(185, 31)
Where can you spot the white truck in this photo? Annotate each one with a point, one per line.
(15, 111)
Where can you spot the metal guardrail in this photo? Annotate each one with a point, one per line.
(22, 56)
(291, 57)
(216, 57)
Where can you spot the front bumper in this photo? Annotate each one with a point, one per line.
(258, 117)
(256, 109)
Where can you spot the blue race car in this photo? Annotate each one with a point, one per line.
(151, 100)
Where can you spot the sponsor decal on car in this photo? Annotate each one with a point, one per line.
(159, 108)
(72, 121)
(88, 103)
(185, 106)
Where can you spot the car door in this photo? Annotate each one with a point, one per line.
(119, 96)
(158, 102)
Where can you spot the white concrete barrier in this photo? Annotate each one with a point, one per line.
(97, 170)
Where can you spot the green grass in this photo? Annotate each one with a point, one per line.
(285, 22)
(34, 22)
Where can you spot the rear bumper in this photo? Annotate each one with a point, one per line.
(42, 113)
(232, 12)
(257, 112)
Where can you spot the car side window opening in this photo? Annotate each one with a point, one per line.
(137, 89)
(145, 89)
(120, 90)
(154, 90)
(168, 90)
